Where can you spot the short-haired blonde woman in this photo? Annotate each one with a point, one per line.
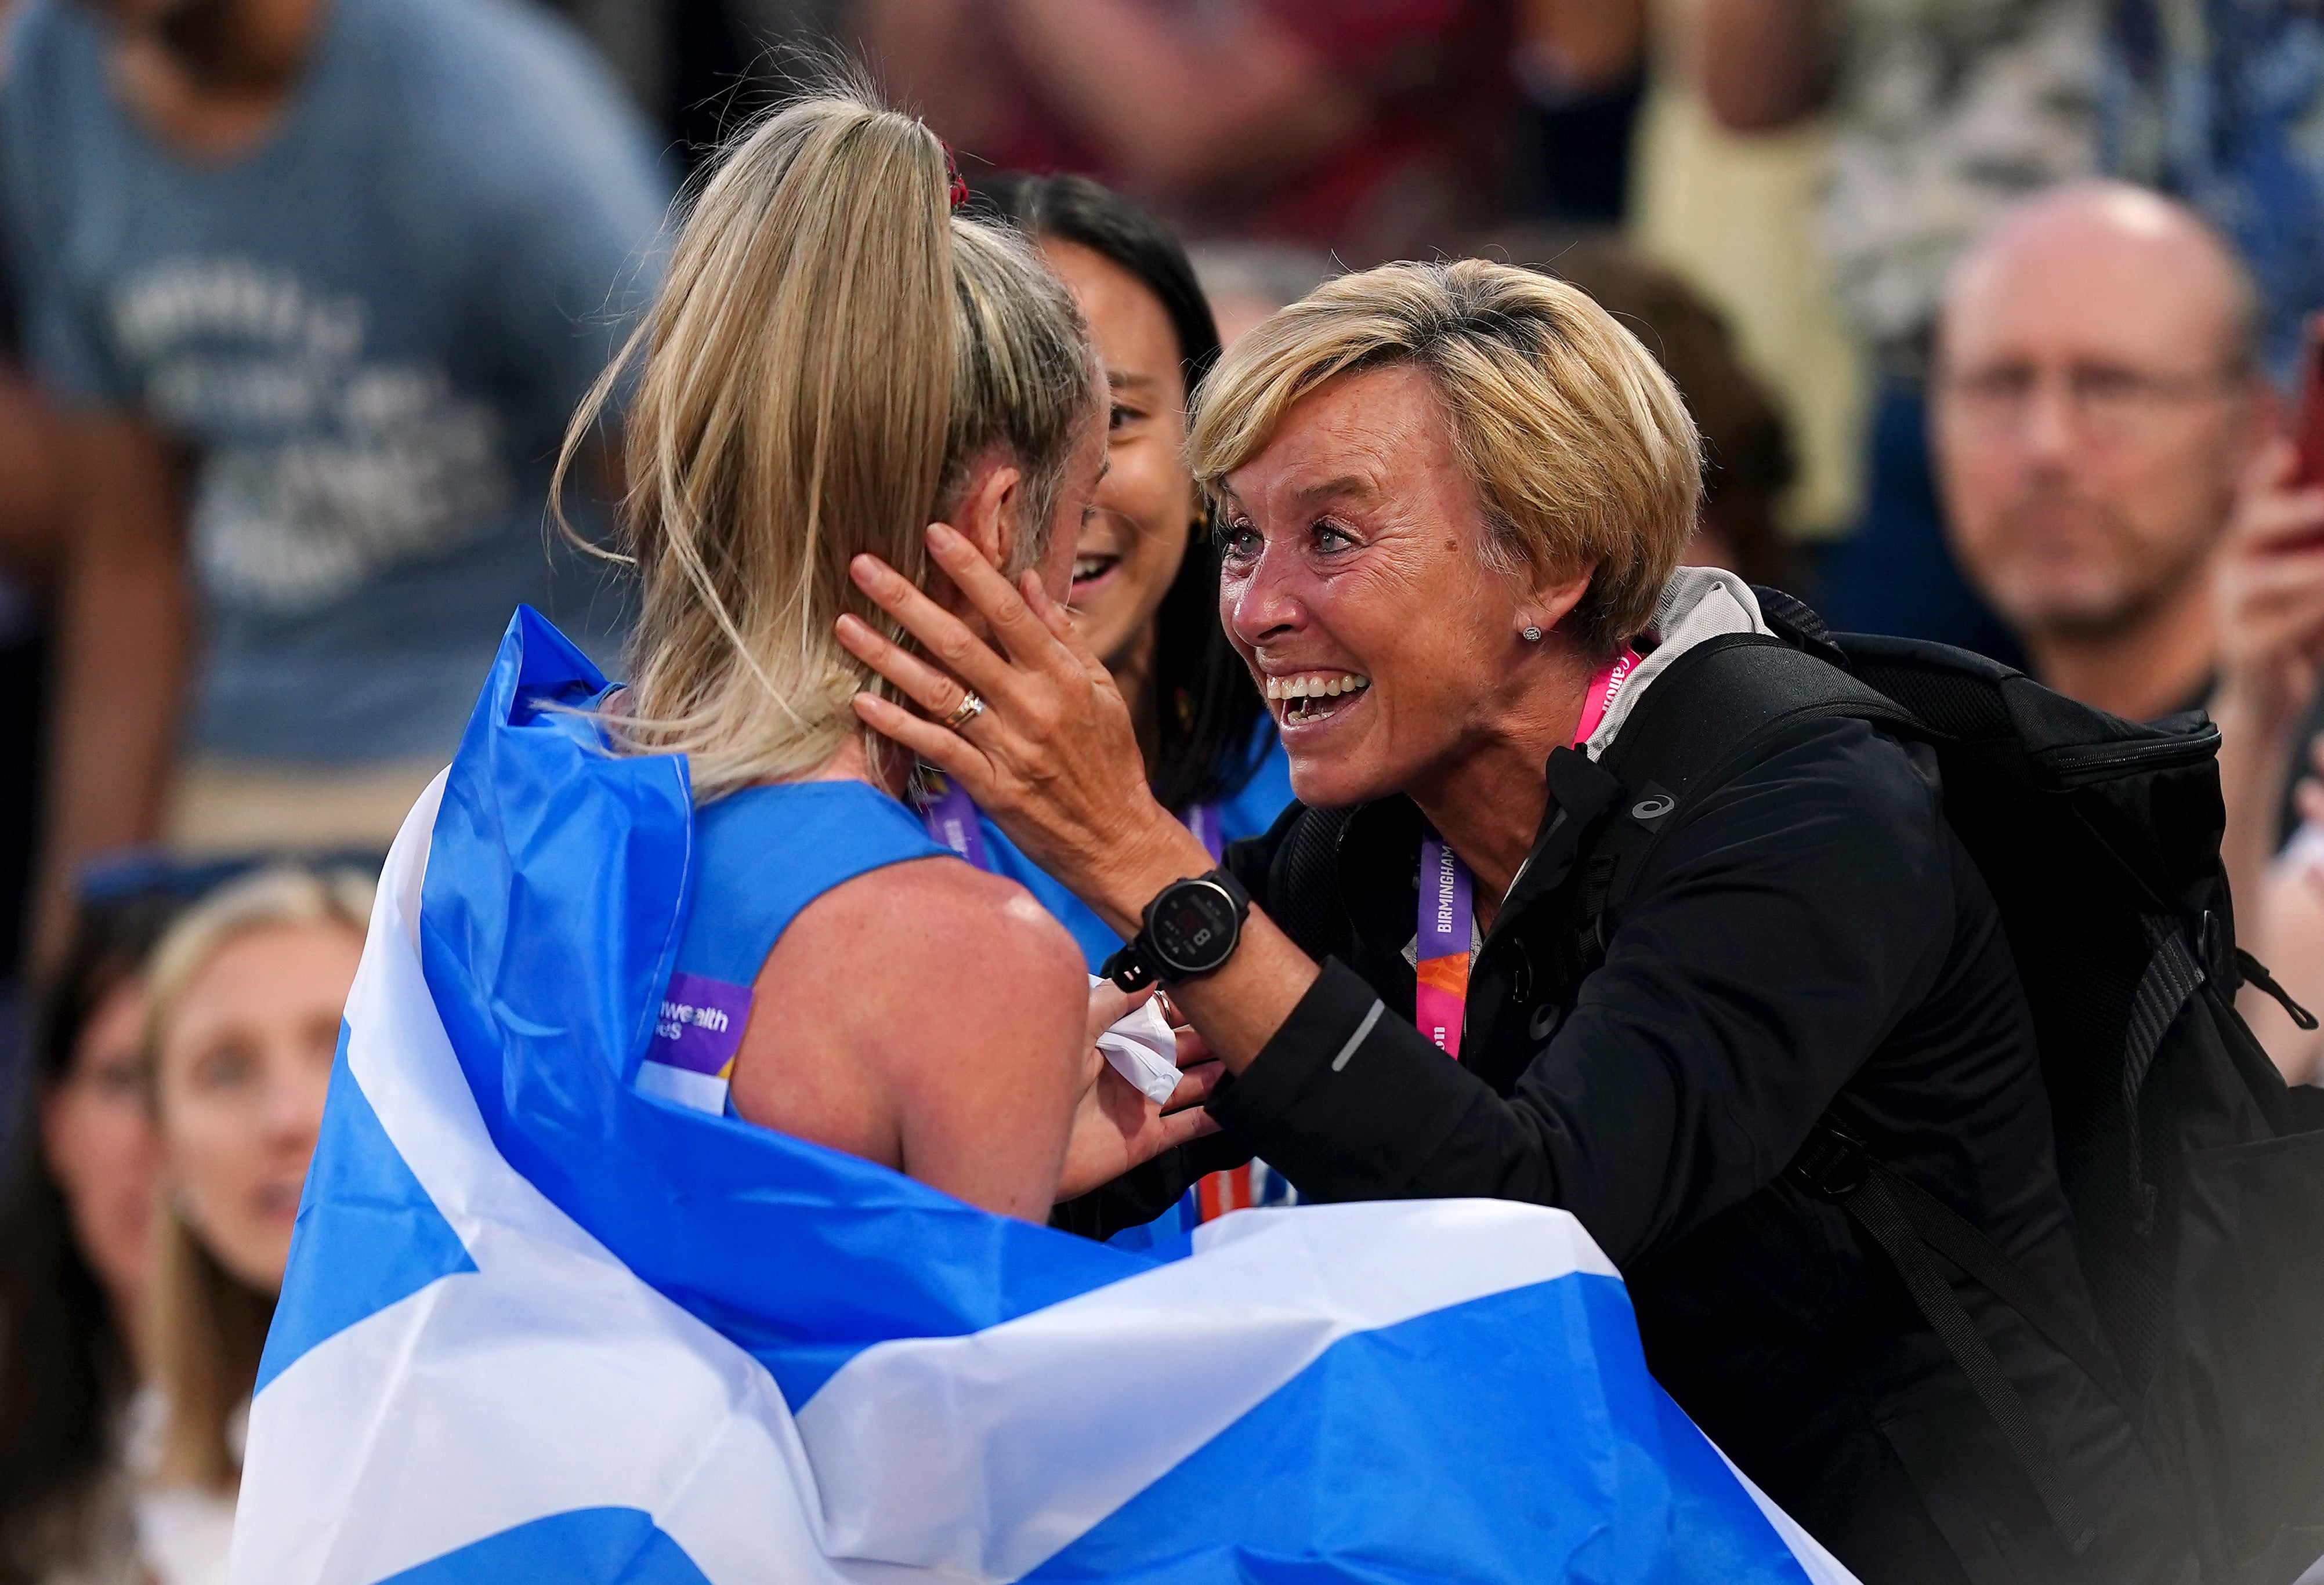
(245, 995)
(836, 359)
(1454, 498)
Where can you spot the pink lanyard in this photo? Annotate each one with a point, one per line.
(1447, 897)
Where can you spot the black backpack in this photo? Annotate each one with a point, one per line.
(2196, 1178)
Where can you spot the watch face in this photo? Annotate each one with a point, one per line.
(1194, 927)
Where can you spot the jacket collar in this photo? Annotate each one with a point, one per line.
(1380, 844)
(1697, 603)
(1580, 792)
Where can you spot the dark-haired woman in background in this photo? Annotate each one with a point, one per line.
(1146, 584)
(73, 1232)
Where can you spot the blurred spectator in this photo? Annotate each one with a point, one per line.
(1735, 214)
(32, 471)
(1581, 73)
(702, 68)
(2285, 927)
(2102, 430)
(31, 515)
(2215, 102)
(1746, 453)
(2097, 396)
(1245, 281)
(1373, 131)
(246, 993)
(320, 285)
(74, 1228)
(32, 487)
(2269, 603)
(1940, 113)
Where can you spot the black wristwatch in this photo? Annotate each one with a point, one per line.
(1192, 928)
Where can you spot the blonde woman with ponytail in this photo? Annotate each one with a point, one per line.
(838, 361)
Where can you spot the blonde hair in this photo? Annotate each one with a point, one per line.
(832, 350)
(1576, 441)
(205, 1327)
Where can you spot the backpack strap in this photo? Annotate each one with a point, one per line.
(1834, 1165)
(1726, 692)
(1912, 1228)
(2171, 975)
(2255, 973)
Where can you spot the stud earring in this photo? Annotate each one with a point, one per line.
(1531, 635)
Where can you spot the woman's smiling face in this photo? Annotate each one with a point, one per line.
(1129, 549)
(1357, 587)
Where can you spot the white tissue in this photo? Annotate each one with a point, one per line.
(1143, 1049)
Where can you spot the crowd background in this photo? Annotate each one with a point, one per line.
(296, 298)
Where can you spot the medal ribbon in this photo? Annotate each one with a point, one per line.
(1447, 908)
(1202, 820)
(951, 819)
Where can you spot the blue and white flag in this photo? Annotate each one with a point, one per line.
(542, 1325)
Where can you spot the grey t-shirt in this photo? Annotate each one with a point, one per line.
(368, 332)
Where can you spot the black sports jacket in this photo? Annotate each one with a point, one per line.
(1809, 935)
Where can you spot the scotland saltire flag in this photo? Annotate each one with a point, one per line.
(541, 1325)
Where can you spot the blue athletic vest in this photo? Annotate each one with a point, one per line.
(760, 855)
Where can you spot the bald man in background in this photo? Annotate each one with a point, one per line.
(2097, 399)
(2114, 487)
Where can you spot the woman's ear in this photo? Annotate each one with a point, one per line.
(1552, 597)
(987, 516)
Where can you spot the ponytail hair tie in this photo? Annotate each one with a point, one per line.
(956, 192)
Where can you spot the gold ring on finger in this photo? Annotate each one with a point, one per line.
(969, 708)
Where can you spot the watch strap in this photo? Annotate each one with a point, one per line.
(1224, 880)
(1128, 969)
